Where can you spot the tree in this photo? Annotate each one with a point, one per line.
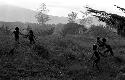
(86, 21)
(122, 9)
(42, 16)
(72, 16)
(113, 20)
(85, 18)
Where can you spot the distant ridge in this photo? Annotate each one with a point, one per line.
(9, 13)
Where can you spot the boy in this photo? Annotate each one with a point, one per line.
(16, 33)
(97, 54)
(31, 37)
(99, 42)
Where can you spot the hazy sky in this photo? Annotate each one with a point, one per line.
(63, 7)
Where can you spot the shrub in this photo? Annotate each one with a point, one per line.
(58, 29)
(44, 32)
(102, 32)
(41, 51)
(72, 28)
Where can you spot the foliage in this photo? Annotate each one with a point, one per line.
(86, 21)
(47, 32)
(28, 28)
(114, 20)
(44, 30)
(122, 9)
(55, 58)
(73, 28)
(5, 29)
(83, 21)
(41, 16)
(102, 32)
(68, 59)
(72, 16)
(58, 29)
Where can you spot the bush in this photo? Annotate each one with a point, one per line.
(102, 32)
(72, 28)
(58, 29)
(44, 31)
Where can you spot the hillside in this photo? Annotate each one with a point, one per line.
(55, 58)
(10, 13)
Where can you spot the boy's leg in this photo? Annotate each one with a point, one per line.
(96, 63)
(33, 42)
(93, 64)
(112, 54)
(30, 41)
(17, 39)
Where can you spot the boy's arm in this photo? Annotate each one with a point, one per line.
(21, 33)
(12, 33)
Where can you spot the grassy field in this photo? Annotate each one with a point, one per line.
(58, 58)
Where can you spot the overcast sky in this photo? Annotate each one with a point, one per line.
(63, 7)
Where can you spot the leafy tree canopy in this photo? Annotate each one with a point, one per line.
(114, 20)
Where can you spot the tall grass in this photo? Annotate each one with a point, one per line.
(68, 58)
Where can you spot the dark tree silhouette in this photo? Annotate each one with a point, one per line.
(122, 9)
(114, 20)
